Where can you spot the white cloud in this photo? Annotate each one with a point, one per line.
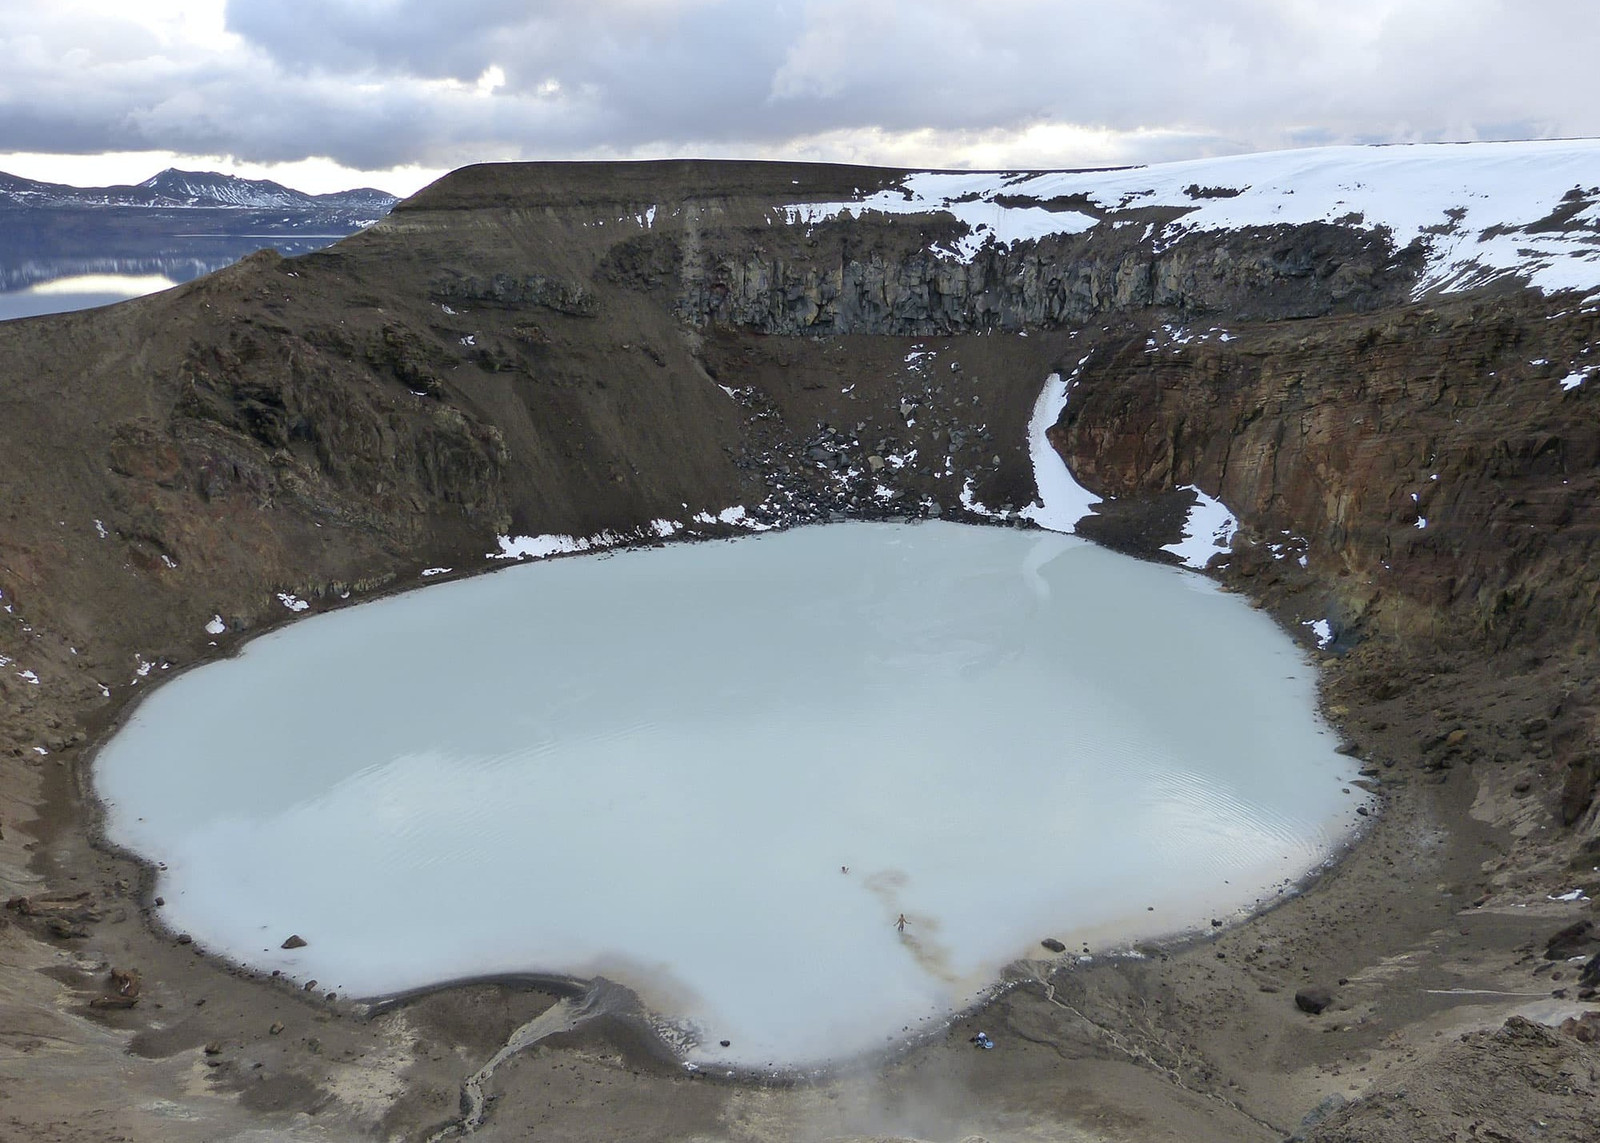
(372, 85)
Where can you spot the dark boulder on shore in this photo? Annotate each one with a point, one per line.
(1313, 1000)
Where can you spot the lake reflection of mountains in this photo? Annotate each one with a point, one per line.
(178, 225)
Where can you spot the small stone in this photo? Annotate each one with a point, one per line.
(277, 1027)
(1455, 737)
(1313, 1000)
(160, 901)
(1053, 945)
(725, 1043)
(295, 941)
(213, 1048)
(185, 939)
(113, 1002)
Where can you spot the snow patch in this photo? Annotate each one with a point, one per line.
(292, 602)
(968, 197)
(557, 544)
(1062, 501)
(1208, 530)
(100, 529)
(971, 503)
(737, 517)
(1572, 380)
(538, 547)
(216, 626)
(429, 573)
(1321, 629)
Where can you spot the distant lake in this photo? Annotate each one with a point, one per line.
(56, 260)
(79, 292)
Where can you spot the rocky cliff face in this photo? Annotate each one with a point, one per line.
(1428, 455)
(853, 277)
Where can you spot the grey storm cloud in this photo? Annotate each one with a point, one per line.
(375, 83)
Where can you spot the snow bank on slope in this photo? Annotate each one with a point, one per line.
(1472, 204)
(1208, 530)
(1062, 500)
(558, 544)
(967, 196)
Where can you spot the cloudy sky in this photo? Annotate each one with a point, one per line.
(324, 94)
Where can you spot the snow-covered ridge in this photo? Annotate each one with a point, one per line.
(175, 188)
(1482, 210)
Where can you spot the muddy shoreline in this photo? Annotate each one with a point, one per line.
(170, 971)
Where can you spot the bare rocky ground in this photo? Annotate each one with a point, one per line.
(483, 363)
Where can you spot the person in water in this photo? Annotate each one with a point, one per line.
(901, 922)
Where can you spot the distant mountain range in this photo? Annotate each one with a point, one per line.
(179, 224)
(175, 189)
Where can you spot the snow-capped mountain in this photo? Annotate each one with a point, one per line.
(173, 188)
(179, 224)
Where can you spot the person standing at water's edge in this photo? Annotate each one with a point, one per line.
(900, 923)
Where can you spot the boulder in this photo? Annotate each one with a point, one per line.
(1314, 999)
(1574, 940)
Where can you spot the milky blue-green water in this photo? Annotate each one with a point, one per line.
(720, 772)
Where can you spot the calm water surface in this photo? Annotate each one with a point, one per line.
(656, 766)
(79, 292)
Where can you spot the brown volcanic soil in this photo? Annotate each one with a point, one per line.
(492, 359)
